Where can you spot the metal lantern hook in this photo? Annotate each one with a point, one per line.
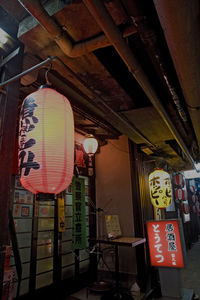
(46, 75)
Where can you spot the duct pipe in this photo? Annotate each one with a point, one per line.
(60, 36)
(118, 120)
(180, 23)
(35, 8)
(149, 38)
(101, 15)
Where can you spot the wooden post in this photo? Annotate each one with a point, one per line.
(9, 109)
(138, 214)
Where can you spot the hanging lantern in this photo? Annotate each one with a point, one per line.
(160, 188)
(194, 198)
(90, 145)
(192, 189)
(180, 194)
(46, 142)
(196, 208)
(179, 180)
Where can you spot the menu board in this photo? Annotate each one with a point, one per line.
(113, 226)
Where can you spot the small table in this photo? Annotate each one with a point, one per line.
(121, 241)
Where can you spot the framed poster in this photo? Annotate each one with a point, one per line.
(25, 211)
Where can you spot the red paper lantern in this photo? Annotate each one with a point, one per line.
(46, 142)
(180, 194)
(194, 198)
(196, 208)
(179, 180)
(192, 189)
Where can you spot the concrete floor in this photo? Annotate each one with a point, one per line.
(190, 276)
(82, 295)
(191, 272)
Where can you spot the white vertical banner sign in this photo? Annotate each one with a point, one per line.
(157, 213)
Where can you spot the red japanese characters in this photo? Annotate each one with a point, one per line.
(164, 243)
(46, 142)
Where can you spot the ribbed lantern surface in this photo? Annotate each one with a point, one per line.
(160, 188)
(46, 142)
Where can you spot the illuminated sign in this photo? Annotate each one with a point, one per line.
(160, 188)
(165, 244)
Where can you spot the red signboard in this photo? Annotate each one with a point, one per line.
(165, 244)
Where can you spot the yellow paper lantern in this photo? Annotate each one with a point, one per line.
(160, 188)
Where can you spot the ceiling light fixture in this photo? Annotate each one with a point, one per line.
(90, 145)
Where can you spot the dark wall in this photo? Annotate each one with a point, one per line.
(142, 211)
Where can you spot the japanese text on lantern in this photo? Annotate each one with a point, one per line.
(165, 244)
(160, 188)
(27, 124)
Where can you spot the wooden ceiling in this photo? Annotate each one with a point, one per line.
(106, 98)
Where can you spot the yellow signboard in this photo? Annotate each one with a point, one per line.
(61, 213)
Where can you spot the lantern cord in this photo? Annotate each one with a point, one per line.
(46, 75)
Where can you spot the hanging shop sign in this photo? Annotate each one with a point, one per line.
(165, 244)
(180, 194)
(186, 218)
(46, 142)
(61, 213)
(186, 208)
(83, 162)
(160, 188)
(79, 215)
(80, 157)
(179, 180)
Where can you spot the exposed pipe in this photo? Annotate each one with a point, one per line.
(59, 35)
(181, 26)
(101, 15)
(118, 118)
(34, 68)
(36, 9)
(149, 38)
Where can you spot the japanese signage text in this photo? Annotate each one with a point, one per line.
(165, 244)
